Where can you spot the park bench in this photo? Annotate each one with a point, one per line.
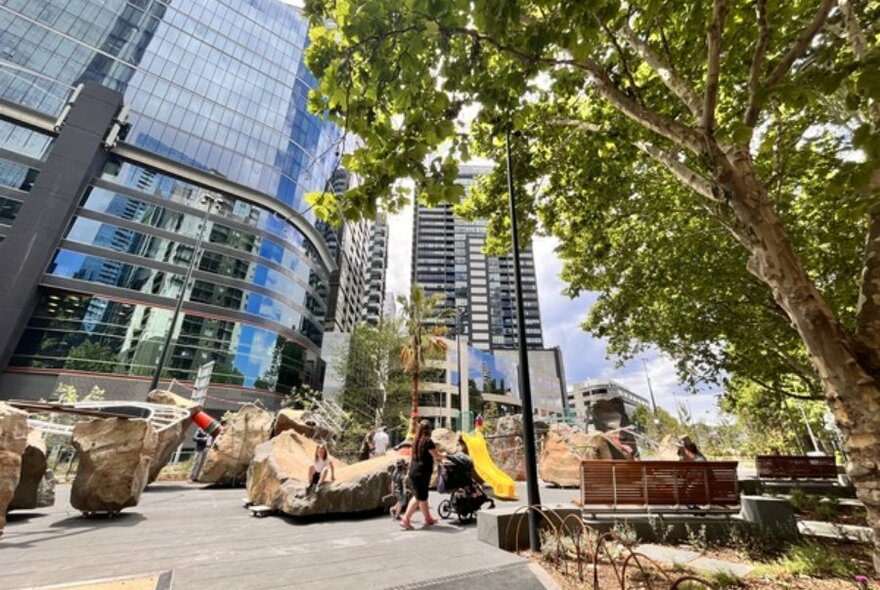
(698, 487)
(795, 467)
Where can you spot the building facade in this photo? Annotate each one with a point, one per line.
(489, 377)
(448, 259)
(375, 305)
(130, 134)
(603, 404)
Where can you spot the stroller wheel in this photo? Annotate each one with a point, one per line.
(465, 517)
(444, 509)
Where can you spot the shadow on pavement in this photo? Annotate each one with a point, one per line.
(98, 521)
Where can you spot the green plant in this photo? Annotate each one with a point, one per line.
(626, 534)
(815, 560)
(661, 532)
(698, 537)
(828, 508)
(758, 543)
(726, 579)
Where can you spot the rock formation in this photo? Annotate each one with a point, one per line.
(563, 450)
(13, 441)
(301, 421)
(171, 437)
(506, 445)
(278, 478)
(33, 471)
(228, 458)
(114, 462)
(445, 440)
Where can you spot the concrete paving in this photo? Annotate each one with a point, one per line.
(671, 556)
(205, 538)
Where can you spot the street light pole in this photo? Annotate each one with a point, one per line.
(525, 387)
(459, 327)
(157, 372)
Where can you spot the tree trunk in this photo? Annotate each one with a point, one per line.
(850, 385)
(414, 413)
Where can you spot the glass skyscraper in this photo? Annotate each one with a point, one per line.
(215, 93)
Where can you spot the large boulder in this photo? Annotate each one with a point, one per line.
(445, 440)
(114, 463)
(301, 421)
(13, 441)
(33, 470)
(278, 477)
(506, 446)
(170, 438)
(233, 449)
(563, 450)
(162, 396)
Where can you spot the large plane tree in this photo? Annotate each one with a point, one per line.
(733, 130)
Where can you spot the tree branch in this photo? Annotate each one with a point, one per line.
(800, 45)
(688, 177)
(868, 309)
(622, 55)
(854, 32)
(757, 63)
(713, 64)
(667, 73)
(783, 392)
(577, 124)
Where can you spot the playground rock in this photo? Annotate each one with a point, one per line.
(506, 446)
(301, 421)
(564, 449)
(162, 396)
(170, 438)
(13, 441)
(228, 459)
(278, 478)
(286, 457)
(445, 440)
(33, 470)
(114, 463)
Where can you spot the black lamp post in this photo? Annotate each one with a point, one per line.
(209, 200)
(525, 387)
(462, 311)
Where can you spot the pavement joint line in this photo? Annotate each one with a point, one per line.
(459, 577)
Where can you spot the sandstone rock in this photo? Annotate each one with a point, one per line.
(301, 421)
(13, 441)
(174, 435)
(563, 450)
(228, 458)
(506, 446)
(114, 463)
(278, 477)
(33, 468)
(161, 396)
(445, 440)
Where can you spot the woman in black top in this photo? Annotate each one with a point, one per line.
(420, 469)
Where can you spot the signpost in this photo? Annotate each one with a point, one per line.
(200, 387)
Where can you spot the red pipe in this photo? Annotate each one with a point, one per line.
(206, 423)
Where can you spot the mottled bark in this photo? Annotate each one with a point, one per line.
(851, 384)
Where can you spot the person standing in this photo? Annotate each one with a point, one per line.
(203, 441)
(420, 469)
(366, 446)
(380, 442)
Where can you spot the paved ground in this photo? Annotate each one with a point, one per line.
(204, 538)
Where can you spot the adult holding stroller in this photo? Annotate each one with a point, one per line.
(420, 469)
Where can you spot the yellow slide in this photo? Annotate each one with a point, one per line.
(502, 484)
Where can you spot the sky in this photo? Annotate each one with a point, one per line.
(583, 355)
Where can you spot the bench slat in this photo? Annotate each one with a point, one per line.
(795, 467)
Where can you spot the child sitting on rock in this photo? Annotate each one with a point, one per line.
(322, 470)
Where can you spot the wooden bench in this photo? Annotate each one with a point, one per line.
(795, 467)
(659, 486)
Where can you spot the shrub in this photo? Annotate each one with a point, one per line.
(726, 579)
(815, 560)
(828, 508)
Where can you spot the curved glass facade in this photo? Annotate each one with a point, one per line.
(218, 86)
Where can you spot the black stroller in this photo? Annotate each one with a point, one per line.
(466, 496)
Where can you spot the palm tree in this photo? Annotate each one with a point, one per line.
(423, 339)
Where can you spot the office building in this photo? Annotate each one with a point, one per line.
(375, 304)
(603, 404)
(128, 132)
(448, 259)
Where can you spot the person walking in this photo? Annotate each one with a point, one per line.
(420, 469)
(203, 441)
(380, 442)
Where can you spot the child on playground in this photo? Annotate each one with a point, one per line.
(398, 488)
